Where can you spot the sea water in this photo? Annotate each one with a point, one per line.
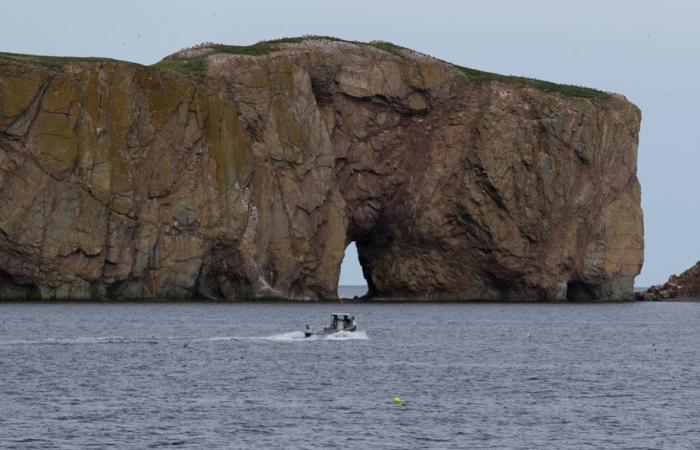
(241, 375)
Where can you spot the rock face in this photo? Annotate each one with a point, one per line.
(243, 172)
(683, 286)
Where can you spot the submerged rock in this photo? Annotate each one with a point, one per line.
(683, 286)
(243, 172)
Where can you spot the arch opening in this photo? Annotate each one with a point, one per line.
(578, 291)
(351, 282)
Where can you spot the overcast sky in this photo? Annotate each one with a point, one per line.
(648, 51)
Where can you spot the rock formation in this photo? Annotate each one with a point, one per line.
(231, 172)
(683, 286)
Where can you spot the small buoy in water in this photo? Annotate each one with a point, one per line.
(396, 399)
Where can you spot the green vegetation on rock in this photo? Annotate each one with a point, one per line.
(260, 48)
(197, 64)
(388, 47)
(53, 62)
(187, 66)
(566, 90)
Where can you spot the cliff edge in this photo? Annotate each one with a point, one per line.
(230, 172)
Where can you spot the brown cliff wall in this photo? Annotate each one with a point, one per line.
(241, 172)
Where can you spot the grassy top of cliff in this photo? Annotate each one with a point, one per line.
(195, 64)
(53, 62)
(567, 90)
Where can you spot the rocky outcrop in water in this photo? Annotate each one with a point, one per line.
(683, 286)
(243, 172)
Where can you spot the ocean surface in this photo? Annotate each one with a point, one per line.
(213, 375)
(348, 292)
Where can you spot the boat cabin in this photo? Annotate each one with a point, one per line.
(342, 321)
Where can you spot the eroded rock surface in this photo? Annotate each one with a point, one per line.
(683, 286)
(230, 173)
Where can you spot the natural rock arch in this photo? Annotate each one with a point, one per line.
(225, 175)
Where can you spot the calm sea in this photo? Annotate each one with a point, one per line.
(212, 375)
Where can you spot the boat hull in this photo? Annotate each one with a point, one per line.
(328, 331)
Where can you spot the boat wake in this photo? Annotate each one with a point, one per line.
(293, 336)
(88, 340)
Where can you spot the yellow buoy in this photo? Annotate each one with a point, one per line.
(396, 399)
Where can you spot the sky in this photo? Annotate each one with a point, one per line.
(648, 51)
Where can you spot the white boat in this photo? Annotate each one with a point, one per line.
(339, 322)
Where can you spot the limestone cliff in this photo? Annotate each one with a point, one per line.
(243, 172)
